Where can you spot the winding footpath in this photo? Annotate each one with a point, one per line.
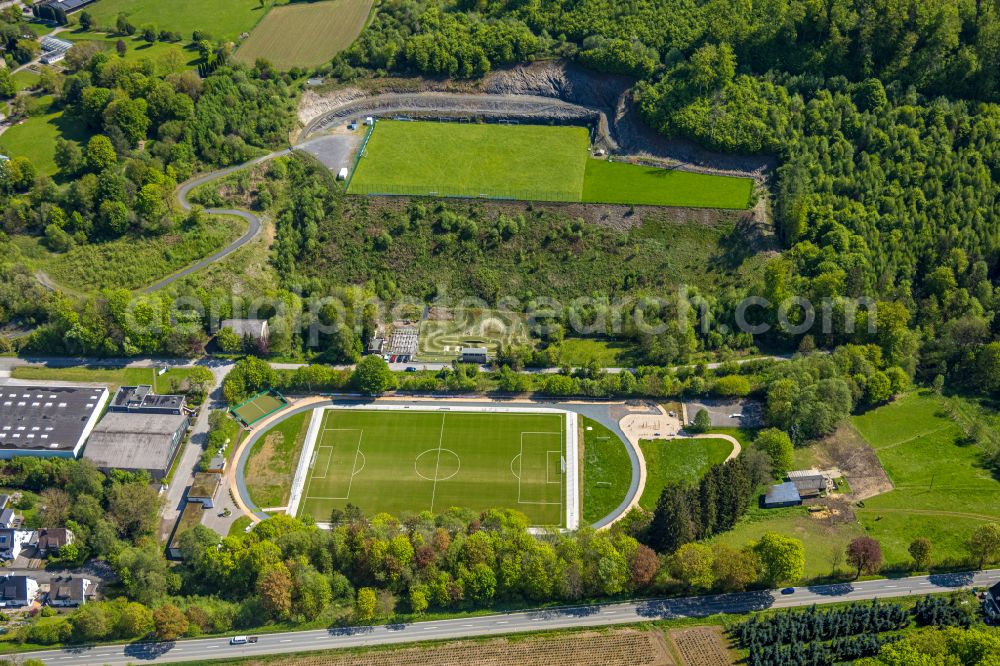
(254, 224)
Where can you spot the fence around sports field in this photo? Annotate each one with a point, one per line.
(382, 190)
(259, 407)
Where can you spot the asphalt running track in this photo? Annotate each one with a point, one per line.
(599, 412)
(572, 617)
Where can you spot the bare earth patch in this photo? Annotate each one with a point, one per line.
(848, 451)
(702, 646)
(615, 648)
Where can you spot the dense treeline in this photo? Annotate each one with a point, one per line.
(108, 514)
(940, 612)
(936, 46)
(684, 514)
(815, 625)
(806, 396)
(457, 559)
(820, 637)
(881, 193)
(866, 629)
(969, 647)
(837, 651)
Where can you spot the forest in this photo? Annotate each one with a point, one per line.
(881, 116)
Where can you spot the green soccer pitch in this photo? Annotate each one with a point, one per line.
(524, 162)
(472, 160)
(396, 461)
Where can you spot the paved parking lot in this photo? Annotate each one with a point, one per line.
(335, 151)
(729, 413)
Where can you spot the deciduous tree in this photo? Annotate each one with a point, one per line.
(865, 555)
(170, 622)
(782, 559)
(366, 604)
(920, 550)
(984, 544)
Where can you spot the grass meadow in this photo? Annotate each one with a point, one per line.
(35, 138)
(608, 353)
(471, 159)
(222, 19)
(941, 491)
(620, 183)
(111, 377)
(402, 462)
(305, 34)
(272, 462)
(131, 262)
(678, 460)
(168, 57)
(607, 471)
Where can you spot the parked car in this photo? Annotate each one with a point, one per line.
(411, 369)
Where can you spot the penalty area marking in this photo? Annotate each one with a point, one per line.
(329, 461)
(520, 458)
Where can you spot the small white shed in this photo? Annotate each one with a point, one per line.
(342, 174)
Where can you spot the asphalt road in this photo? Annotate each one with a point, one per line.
(509, 623)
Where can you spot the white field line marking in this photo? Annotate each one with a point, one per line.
(438, 463)
(329, 462)
(326, 470)
(548, 466)
(520, 468)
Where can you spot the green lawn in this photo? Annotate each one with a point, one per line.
(112, 377)
(822, 540)
(25, 79)
(607, 471)
(678, 460)
(401, 462)
(131, 262)
(35, 138)
(272, 462)
(239, 526)
(525, 162)
(942, 490)
(620, 183)
(222, 19)
(305, 34)
(39, 28)
(608, 353)
(467, 159)
(168, 57)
